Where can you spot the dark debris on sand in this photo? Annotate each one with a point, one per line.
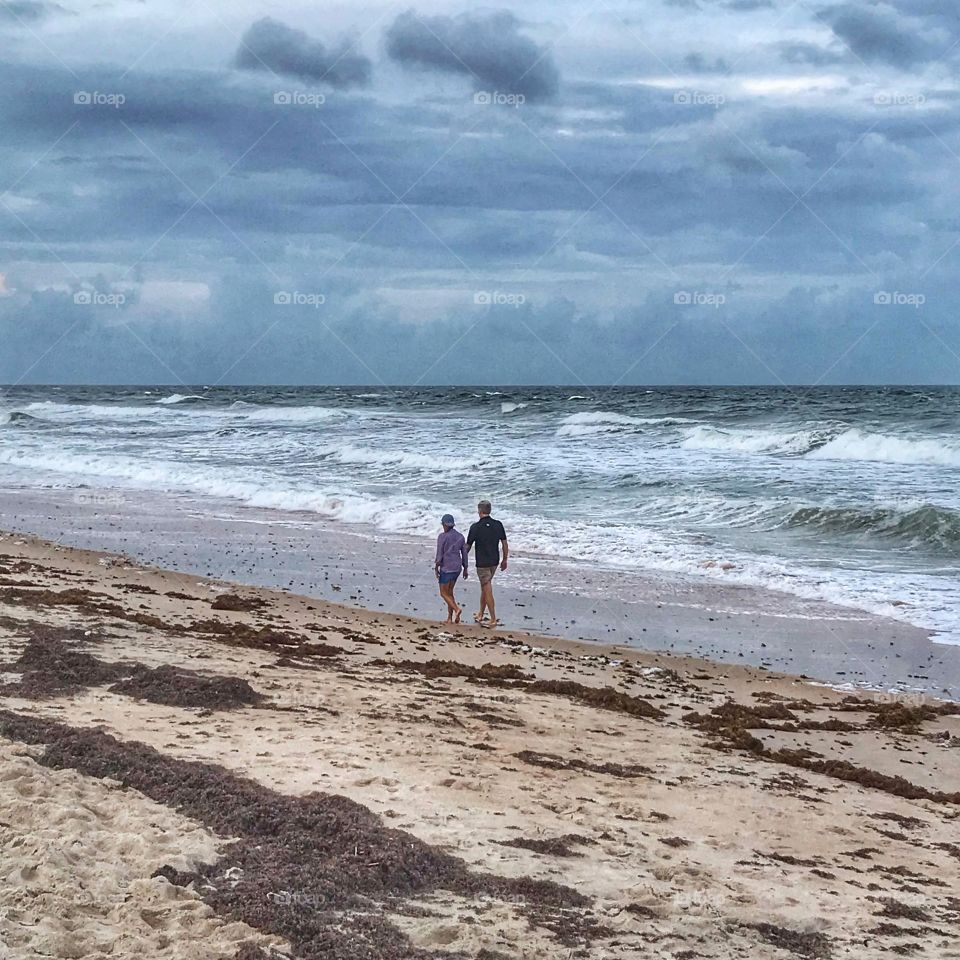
(512, 678)
(88, 602)
(293, 646)
(815, 946)
(732, 722)
(552, 846)
(51, 665)
(604, 698)
(319, 870)
(233, 601)
(552, 761)
(440, 669)
(175, 687)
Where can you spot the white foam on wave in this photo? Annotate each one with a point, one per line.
(350, 454)
(752, 441)
(239, 410)
(179, 398)
(53, 410)
(510, 407)
(598, 421)
(858, 445)
(290, 414)
(394, 514)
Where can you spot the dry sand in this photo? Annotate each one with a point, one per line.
(691, 810)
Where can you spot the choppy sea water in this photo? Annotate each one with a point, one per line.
(846, 494)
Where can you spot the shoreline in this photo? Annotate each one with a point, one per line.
(366, 569)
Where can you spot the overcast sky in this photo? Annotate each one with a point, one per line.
(684, 191)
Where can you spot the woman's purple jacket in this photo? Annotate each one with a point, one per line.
(451, 551)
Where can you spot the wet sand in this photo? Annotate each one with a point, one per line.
(358, 566)
(192, 768)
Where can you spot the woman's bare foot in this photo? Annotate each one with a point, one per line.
(490, 624)
(478, 618)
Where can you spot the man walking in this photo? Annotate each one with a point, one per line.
(487, 534)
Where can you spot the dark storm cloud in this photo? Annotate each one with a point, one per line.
(878, 35)
(271, 45)
(699, 63)
(400, 202)
(486, 47)
(27, 11)
(812, 54)
(747, 5)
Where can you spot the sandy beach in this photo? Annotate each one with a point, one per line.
(193, 769)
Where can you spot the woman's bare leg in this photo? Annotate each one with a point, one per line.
(457, 609)
(448, 600)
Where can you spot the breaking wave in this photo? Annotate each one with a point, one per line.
(859, 445)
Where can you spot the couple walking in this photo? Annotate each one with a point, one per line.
(485, 535)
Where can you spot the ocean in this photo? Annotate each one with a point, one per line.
(845, 494)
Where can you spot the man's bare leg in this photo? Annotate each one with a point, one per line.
(478, 617)
(490, 605)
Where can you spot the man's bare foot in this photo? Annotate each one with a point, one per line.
(478, 618)
(459, 614)
(490, 624)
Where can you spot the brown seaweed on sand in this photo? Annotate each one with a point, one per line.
(553, 762)
(511, 677)
(439, 669)
(732, 722)
(552, 846)
(320, 870)
(815, 946)
(49, 666)
(233, 601)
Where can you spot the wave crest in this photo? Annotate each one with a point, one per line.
(179, 398)
(770, 441)
(858, 445)
(923, 524)
(599, 421)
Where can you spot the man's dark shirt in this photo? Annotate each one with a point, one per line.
(486, 533)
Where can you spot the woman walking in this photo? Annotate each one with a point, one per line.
(451, 559)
